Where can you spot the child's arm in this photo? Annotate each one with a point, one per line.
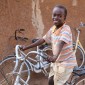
(59, 48)
(38, 42)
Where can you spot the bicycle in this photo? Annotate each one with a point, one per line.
(78, 77)
(78, 48)
(21, 59)
(19, 66)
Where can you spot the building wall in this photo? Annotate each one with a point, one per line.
(34, 16)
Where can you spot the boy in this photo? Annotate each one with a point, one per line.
(60, 37)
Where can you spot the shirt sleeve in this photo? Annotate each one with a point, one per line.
(66, 35)
(47, 37)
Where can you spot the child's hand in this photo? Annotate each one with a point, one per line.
(51, 59)
(22, 48)
(48, 59)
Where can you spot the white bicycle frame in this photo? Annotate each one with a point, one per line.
(20, 55)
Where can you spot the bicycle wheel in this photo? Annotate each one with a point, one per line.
(80, 81)
(79, 55)
(8, 77)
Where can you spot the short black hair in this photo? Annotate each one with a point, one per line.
(62, 7)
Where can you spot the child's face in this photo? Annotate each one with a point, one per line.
(58, 16)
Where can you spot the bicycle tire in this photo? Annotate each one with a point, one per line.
(80, 80)
(79, 56)
(6, 68)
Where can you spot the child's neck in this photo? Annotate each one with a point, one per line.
(58, 26)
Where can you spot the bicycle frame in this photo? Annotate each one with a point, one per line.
(27, 58)
(24, 58)
(78, 41)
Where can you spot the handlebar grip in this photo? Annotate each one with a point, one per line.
(17, 50)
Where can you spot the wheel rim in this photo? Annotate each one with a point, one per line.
(7, 77)
(79, 56)
(81, 82)
(6, 68)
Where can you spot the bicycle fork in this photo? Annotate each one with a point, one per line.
(18, 79)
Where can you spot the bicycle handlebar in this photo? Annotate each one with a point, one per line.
(78, 29)
(21, 55)
(82, 24)
(18, 52)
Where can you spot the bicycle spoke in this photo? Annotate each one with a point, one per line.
(8, 76)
